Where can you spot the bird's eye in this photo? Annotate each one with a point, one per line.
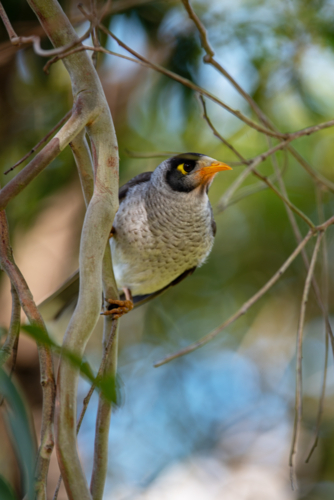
(185, 168)
(188, 167)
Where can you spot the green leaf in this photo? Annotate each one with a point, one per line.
(18, 423)
(106, 385)
(6, 491)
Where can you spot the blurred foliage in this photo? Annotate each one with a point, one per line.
(282, 54)
(6, 490)
(106, 385)
(22, 436)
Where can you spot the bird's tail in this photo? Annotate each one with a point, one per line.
(52, 307)
(67, 295)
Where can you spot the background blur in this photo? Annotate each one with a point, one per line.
(217, 423)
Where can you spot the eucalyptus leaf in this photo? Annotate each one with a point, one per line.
(106, 385)
(6, 491)
(18, 423)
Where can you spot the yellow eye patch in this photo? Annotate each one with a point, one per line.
(181, 169)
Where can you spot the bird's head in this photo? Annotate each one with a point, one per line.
(189, 171)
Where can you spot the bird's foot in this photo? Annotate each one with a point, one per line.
(118, 308)
(112, 232)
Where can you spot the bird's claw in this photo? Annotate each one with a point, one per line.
(124, 306)
(112, 232)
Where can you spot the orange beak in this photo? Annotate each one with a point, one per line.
(206, 174)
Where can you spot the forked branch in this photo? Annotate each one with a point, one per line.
(245, 307)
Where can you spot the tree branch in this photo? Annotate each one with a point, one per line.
(83, 161)
(66, 134)
(299, 386)
(99, 376)
(91, 110)
(110, 338)
(193, 86)
(45, 357)
(209, 59)
(36, 41)
(7, 349)
(243, 309)
(37, 146)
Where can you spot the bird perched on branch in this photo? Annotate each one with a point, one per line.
(163, 230)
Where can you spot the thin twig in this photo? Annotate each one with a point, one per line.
(202, 31)
(299, 381)
(325, 286)
(298, 237)
(209, 59)
(146, 63)
(244, 193)
(286, 200)
(72, 127)
(44, 139)
(223, 202)
(95, 37)
(185, 81)
(7, 349)
(36, 41)
(83, 161)
(321, 403)
(243, 309)
(82, 48)
(218, 135)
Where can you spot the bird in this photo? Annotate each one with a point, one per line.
(163, 230)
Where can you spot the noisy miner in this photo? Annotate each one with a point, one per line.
(164, 229)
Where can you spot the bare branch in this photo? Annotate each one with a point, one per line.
(99, 376)
(36, 41)
(65, 135)
(202, 31)
(251, 164)
(44, 139)
(316, 176)
(251, 169)
(196, 88)
(298, 237)
(110, 337)
(91, 110)
(94, 49)
(209, 58)
(299, 387)
(23, 178)
(83, 160)
(191, 85)
(321, 403)
(7, 349)
(218, 135)
(243, 309)
(328, 333)
(286, 200)
(45, 357)
(288, 137)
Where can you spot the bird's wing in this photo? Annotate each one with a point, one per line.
(53, 306)
(139, 300)
(67, 294)
(139, 179)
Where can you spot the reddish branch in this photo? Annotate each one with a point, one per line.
(45, 357)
